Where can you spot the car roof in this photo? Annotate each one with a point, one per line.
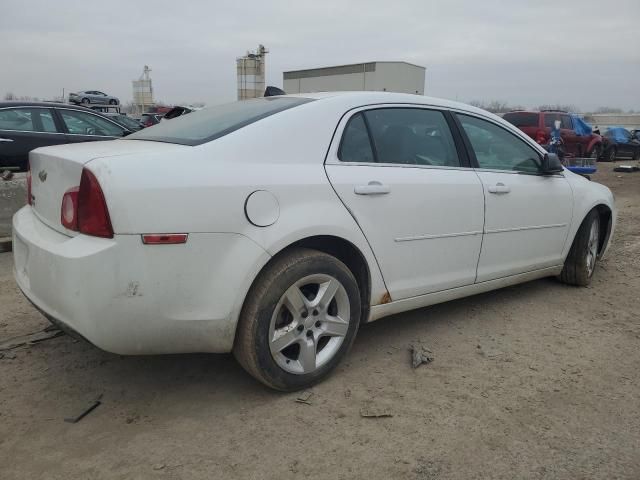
(350, 100)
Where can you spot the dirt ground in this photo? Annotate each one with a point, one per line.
(535, 381)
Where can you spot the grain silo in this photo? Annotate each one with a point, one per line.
(251, 70)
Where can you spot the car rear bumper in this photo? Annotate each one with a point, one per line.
(130, 298)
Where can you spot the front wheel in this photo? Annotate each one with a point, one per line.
(113, 102)
(581, 261)
(595, 152)
(299, 319)
(611, 155)
(85, 101)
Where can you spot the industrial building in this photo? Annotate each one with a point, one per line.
(250, 70)
(400, 77)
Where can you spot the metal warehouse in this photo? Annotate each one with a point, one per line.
(400, 77)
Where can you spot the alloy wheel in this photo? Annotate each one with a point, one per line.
(592, 247)
(309, 324)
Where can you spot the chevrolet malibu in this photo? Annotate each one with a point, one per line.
(273, 228)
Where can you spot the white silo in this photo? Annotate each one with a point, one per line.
(251, 69)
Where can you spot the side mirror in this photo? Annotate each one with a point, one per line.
(551, 164)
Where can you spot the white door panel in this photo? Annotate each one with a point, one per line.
(526, 224)
(423, 224)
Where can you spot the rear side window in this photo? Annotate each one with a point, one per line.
(356, 146)
(412, 136)
(565, 120)
(27, 120)
(522, 119)
(215, 122)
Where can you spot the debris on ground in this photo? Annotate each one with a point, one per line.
(626, 168)
(420, 355)
(31, 338)
(489, 352)
(304, 397)
(6, 175)
(370, 410)
(96, 403)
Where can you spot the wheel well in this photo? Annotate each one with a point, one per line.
(348, 254)
(604, 213)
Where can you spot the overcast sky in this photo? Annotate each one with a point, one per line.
(585, 53)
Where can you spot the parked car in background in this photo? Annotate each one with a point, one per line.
(294, 220)
(28, 125)
(150, 119)
(578, 138)
(126, 121)
(90, 97)
(635, 133)
(177, 111)
(619, 142)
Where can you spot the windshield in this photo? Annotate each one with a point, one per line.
(214, 122)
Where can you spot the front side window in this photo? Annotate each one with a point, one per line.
(27, 120)
(81, 123)
(497, 149)
(412, 136)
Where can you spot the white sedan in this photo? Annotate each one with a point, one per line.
(274, 227)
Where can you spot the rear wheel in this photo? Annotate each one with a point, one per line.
(85, 101)
(299, 319)
(581, 261)
(112, 102)
(636, 154)
(595, 152)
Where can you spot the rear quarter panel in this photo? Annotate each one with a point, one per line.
(204, 188)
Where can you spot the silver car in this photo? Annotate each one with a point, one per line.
(88, 97)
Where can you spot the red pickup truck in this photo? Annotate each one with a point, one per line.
(577, 142)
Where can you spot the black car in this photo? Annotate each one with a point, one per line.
(28, 125)
(619, 142)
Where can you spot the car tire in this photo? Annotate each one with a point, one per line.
(636, 154)
(85, 101)
(583, 255)
(113, 102)
(284, 308)
(611, 155)
(595, 152)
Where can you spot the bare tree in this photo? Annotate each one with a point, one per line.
(9, 96)
(608, 110)
(559, 106)
(494, 106)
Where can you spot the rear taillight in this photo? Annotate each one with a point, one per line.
(93, 216)
(84, 208)
(29, 196)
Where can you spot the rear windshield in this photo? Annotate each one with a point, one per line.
(522, 119)
(215, 122)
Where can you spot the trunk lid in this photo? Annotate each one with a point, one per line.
(56, 169)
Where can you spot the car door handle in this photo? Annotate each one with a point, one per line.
(373, 188)
(6, 140)
(499, 189)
